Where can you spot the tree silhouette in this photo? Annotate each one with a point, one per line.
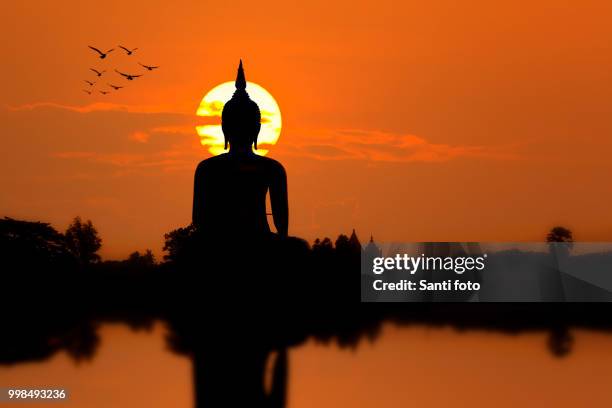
(34, 247)
(228, 308)
(560, 241)
(83, 241)
(324, 246)
(560, 234)
(178, 244)
(146, 260)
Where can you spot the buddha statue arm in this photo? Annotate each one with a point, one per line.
(198, 202)
(279, 201)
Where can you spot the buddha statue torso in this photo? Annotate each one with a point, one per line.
(230, 195)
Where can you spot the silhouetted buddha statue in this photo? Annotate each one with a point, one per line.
(243, 259)
(230, 189)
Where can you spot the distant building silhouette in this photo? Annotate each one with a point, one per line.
(354, 241)
(370, 252)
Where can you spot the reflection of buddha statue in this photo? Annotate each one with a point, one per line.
(230, 189)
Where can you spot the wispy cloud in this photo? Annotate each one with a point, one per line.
(73, 155)
(139, 136)
(96, 107)
(317, 144)
(358, 144)
(176, 158)
(188, 129)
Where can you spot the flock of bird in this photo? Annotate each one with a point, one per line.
(99, 72)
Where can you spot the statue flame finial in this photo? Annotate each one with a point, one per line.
(240, 79)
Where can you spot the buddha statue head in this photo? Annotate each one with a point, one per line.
(241, 119)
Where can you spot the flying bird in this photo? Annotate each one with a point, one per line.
(104, 92)
(98, 73)
(102, 54)
(148, 67)
(115, 87)
(89, 82)
(127, 50)
(129, 77)
(87, 92)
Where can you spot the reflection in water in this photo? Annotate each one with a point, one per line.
(133, 369)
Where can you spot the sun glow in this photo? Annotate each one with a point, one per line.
(211, 135)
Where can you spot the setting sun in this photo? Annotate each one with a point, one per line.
(211, 135)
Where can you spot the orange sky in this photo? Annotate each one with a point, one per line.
(416, 121)
(436, 120)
